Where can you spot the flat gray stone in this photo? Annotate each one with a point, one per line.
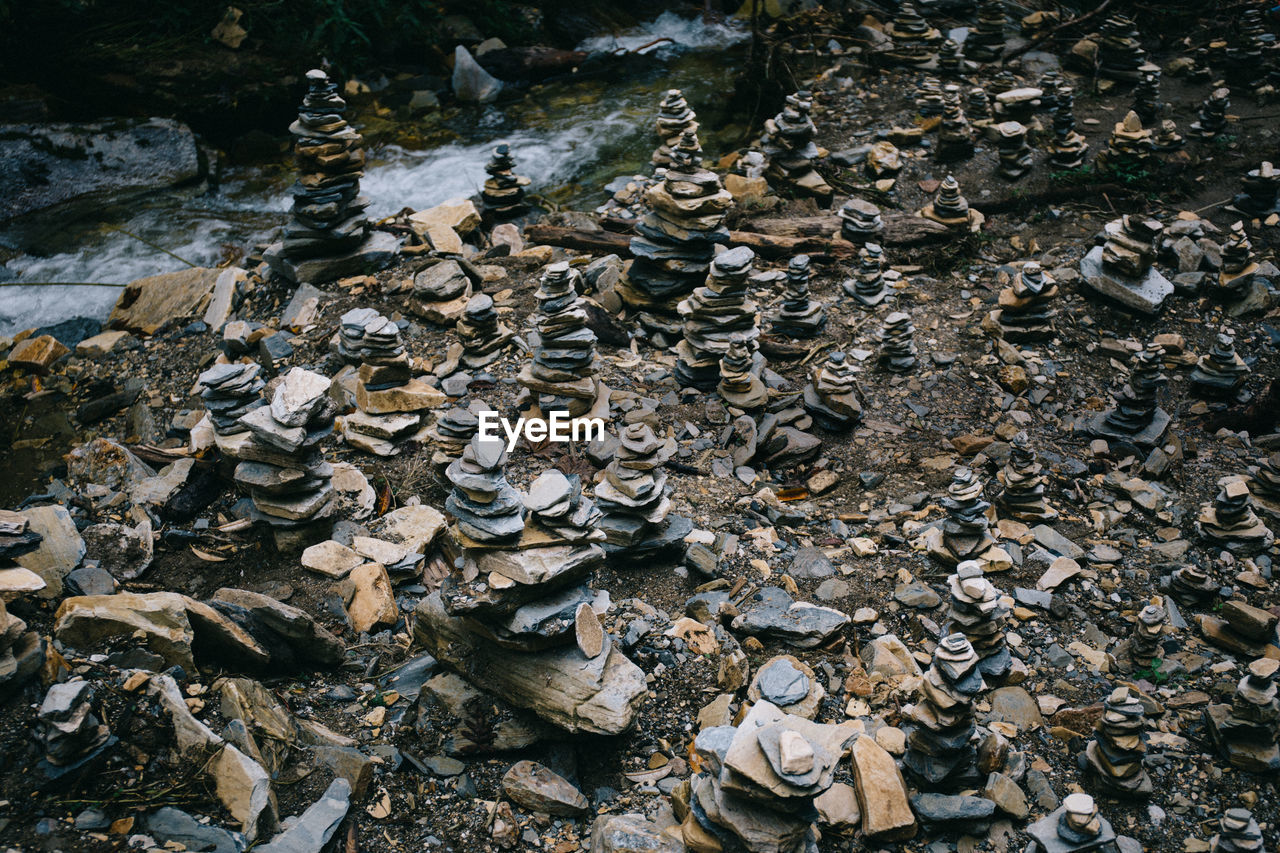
(1146, 295)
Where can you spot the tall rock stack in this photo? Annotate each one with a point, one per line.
(897, 343)
(281, 465)
(503, 191)
(1229, 522)
(1213, 114)
(389, 399)
(868, 287)
(977, 108)
(788, 143)
(71, 736)
(986, 41)
(1143, 646)
(484, 337)
(950, 59)
(328, 236)
(915, 42)
(1074, 827)
(949, 207)
(1015, 154)
(1120, 269)
(1167, 139)
(1245, 731)
(1265, 485)
(740, 384)
(675, 117)
(832, 395)
(1114, 755)
(563, 369)
(1238, 832)
(450, 435)
(800, 316)
(955, 136)
(1260, 186)
(1238, 266)
(229, 392)
(1120, 54)
(966, 532)
(977, 613)
(942, 752)
(1136, 416)
(757, 782)
(1068, 147)
(715, 316)
(632, 493)
(678, 233)
(929, 100)
(1146, 95)
(1026, 308)
(1220, 372)
(1022, 484)
(487, 510)
(860, 222)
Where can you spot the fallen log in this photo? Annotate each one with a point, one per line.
(900, 229)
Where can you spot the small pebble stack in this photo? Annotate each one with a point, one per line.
(1221, 371)
(1068, 147)
(1213, 114)
(868, 286)
(1114, 755)
(1238, 265)
(897, 343)
(484, 337)
(1246, 730)
(1238, 832)
(740, 384)
(1074, 827)
(949, 207)
(1120, 54)
(1022, 483)
(716, 315)
(503, 191)
(986, 40)
(966, 532)
(977, 613)
(633, 496)
(675, 117)
(788, 143)
(832, 395)
(1026, 309)
(1015, 153)
(860, 222)
(800, 316)
(70, 735)
(563, 369)
(1229, 522)
(388, 399)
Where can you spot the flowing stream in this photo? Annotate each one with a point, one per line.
(569, 138)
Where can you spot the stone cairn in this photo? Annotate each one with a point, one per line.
(941, 750)
(71, 736)
(1191, 586)
(1121, 268)
(1146, 95)
(1114, 755)
(328, 219)
(986, 41)
(441, 292)
(977, 108)
(1074, 827)
(860, 222)
(800, 316)
(1067, 150)
(450, 435)
(1136, 416)
(1238, 265)
(21, 651)
(1220, 372)
(955, 136)
(1022, 484)
(388, 398)
(1265, 485)
(1229, 522)
(976, 612)
(949, 207)
(632, 495)
(929, 100)
(1167, 139)
(562, 372)
(503, 191)
(1026, 313)
(950, 59)
(1245, 731)
(677, 235)
(484, 337)
(281, 465)
(897, 343)
(1015, 154)
(788, 143)
(229, 392)
(1238, 832)
(1143, 645)
(740, 384)
(715, 316)
(486, 508)
(675, 117)
(832, 395)
(868, 286)
(1120, 55)
(965, 534)
(915, 42)
(1213, 114)
(1130, 145)
(757, 782)
(1260, 188)
(1050, 83)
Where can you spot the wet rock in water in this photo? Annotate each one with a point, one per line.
(788, 143)
(773, 614)
(1260, 188)
(715, 316)
(976, 612)
(799, 316)
(484, 337)
(950, 208)
(860, 222)
(1220, 372)
(1073, 827)
(675, 117)
(1230, 522)
(631, 833)
(1246, 731)
(1238, 832)
(539, 789)
(1213, 114)
(503, 190)
(897, 343)
(1026, 309)
(328, 235)
(832, 396)
(316, 826)
(562, 374)
(1068, 147)
(71, 736)
(1114, 755)
(914, 41)
(868, 286)
(677, 234)
(966, 533)
(882, 793)
(941, 752)
(632, 493)
(1023, 483)
(1136, 416)
(388, 397)
(1015, 154)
